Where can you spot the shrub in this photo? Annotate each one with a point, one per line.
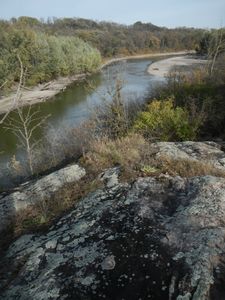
(203, 92)
(126, 152)
(115, 114)
(163, 121)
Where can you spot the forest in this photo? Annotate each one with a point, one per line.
(44, 56)
(114, 39)
(61, 47)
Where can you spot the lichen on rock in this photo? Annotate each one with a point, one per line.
(155, 238)
(35, 191)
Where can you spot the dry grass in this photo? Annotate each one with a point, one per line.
(187, 168)
(126, 152)
(63, 144)
(103, 154)
(136, 157)
(42, 214)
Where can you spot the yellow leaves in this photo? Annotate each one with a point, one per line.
(163, 121)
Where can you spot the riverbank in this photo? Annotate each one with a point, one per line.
(163, 67)
(113, 60)
(46, 91)
(39, 93)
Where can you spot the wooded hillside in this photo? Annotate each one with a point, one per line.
(60, 47)
(114, 39)
(44, 56)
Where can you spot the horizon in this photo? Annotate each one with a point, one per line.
(173, 14)
(45, 20)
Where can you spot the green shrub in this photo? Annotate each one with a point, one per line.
(163, 121)
(203, 97)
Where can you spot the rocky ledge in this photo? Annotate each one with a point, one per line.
(155, 238)
(208, 153)
(33, 191)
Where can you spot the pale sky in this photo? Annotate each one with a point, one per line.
(169, 13)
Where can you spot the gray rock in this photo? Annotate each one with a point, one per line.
(110, 177)
(140, 241)
(206, 152)
(34, 191)
(109, 263)
(157, 238)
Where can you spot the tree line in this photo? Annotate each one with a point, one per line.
(60, 47)
(44, 56)
(114, 39)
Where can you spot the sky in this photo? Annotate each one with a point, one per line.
(169, 13)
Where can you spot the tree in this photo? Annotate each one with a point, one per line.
(15, 103)
(212, 45)
(23, 123)
(113, 116)
(216, 47)
(44, 56)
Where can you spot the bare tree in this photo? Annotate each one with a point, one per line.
(217, 46)
(24, 122)
(17, 96)
(23, 126)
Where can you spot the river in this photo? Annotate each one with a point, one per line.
(74, 105)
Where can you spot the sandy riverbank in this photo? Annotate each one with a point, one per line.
(113, 60)
(39, 93)
(43, 92)
(163, 67)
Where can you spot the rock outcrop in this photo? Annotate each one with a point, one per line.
(155, 238)
(31, 192)
(205, 152)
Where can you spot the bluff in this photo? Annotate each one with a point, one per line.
(158, 237)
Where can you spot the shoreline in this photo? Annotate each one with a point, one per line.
(39, 93)
(163, 67)
(47, 91)
(149, 55)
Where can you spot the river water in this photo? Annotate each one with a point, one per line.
(74, 105)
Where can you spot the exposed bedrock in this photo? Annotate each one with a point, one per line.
(155, 239)
(33, 191)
